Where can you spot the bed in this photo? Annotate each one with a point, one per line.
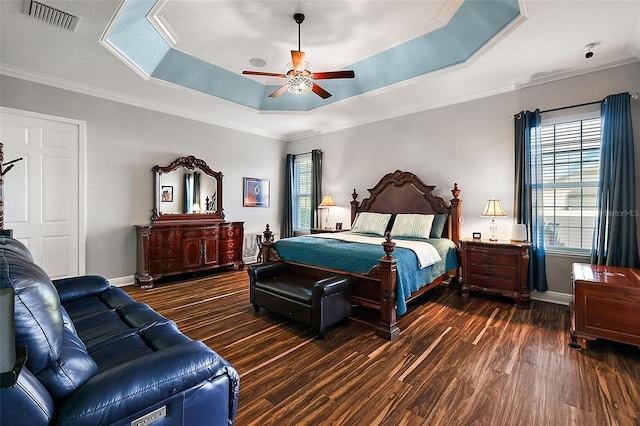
(403, 273)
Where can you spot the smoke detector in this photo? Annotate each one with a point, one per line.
(51, 15)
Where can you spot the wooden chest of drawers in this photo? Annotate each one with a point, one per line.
(496, 267)
(171, 249)
(606, 304)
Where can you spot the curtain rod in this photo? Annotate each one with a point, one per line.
(633, 96)
(305, 153)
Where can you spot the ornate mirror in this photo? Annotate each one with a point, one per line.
(187, 189)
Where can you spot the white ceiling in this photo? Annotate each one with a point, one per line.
(547, 43)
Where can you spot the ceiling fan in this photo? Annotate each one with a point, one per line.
(299, 75)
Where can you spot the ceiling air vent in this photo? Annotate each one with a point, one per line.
(51, 15)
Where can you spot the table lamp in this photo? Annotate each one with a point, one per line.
(493, 209)
(327, 201)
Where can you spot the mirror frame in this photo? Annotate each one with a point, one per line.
(190, 163)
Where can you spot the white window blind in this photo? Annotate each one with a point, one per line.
(570, 168)
(302, 193)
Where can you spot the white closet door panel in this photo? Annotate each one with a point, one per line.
(42, 192)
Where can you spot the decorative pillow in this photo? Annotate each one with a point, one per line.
(412, 225)
(437, 227)
(371, 223)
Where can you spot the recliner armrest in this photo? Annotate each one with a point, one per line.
(331, 285)
(77, 287)
(150, 379)
(266, 270)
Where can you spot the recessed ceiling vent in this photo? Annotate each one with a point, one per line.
(51, 15)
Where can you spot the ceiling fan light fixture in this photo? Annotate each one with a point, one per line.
(299, 84)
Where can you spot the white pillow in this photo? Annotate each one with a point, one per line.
(412, 225)
(371, 223)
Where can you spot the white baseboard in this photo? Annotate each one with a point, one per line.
(552, 297)
(122, 281)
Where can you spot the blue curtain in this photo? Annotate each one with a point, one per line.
(196, 188)
(287, 219)
(316, 186)
(528, 193)
(186, 197)
(614, 239)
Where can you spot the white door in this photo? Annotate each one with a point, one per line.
(43, 200)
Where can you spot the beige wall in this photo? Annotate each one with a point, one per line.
(469, 143)
(123, 143)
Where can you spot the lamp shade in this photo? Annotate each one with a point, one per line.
(327, 201)
(493, 208)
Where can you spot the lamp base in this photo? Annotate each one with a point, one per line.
(493, 228)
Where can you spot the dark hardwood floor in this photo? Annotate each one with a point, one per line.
(475, 361)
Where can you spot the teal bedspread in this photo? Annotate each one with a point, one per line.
(359, 258)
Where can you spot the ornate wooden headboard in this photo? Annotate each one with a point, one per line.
(404, 192)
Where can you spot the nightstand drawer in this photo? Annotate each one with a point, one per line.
(492, 258)
(489, 282)
(493, 270)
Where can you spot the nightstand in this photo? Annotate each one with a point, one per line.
(498, 267)
(321, 230)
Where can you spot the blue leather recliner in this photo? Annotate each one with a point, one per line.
(97, 357)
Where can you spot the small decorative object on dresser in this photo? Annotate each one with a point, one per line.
(188, 233)
(498, 267)
(606, 304)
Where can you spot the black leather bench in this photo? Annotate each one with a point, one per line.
(319, 302)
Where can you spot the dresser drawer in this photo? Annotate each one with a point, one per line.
(231, 256)
(228, 232)
(162, 238)
(230, 245)
(200, 232)
(167, 252)
(166, 266)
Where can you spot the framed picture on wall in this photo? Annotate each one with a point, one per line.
(255, 192)
(167, 194)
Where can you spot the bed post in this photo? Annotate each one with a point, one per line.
(456, 213)
(265, 245)
(388, 327)
(354, 205)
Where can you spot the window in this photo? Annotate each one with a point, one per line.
(570, 169)
(302, 193)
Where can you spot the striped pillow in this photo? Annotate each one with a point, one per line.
(371, 223)
(412, 225)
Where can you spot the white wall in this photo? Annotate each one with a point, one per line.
(123, 144)
(470, 143)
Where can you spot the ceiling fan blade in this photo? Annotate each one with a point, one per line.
(320, 91)
(333, 74)
(297, 59)
(280, 91)
(269, 74)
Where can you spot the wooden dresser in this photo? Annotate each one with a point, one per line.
(606, 304)
(497, 267)
(188, 231)
(175, 248)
